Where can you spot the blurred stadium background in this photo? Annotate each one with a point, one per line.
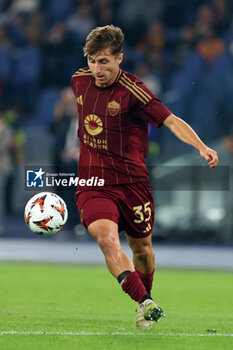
(182, 49)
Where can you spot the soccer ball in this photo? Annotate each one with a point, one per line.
(45, 213)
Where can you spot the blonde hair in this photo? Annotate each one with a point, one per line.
(102, 38)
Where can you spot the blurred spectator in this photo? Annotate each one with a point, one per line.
(17, 25)
(4, 5)
(204, 19)
(153, 46)
(133, 11)
(27, 69)
(134, 16)
(5, 40)
(155, 37)
(179, 13)
(203, 76)
(19, 13)
(186, 41)
(210, 102)
(222, 15)
(81, 21)
(67, 145)
(5, 65)
(6, 167)
(12, 118)
(24, 6)
(65, 127)
(37, 18)
(160, 63)
(59, 58)
(144, 73)
(228, 142)
(210, 46)
(33, 35)
(57, 11)
(105, 12)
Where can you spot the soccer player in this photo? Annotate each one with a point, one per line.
(114, 109)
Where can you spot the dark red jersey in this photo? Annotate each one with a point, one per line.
(113, 127)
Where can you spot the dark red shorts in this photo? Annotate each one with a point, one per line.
(131, 206)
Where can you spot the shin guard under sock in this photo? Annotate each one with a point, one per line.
(147, 280)
(133, 286)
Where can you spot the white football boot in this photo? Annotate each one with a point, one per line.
(141, 322)
(148, 312)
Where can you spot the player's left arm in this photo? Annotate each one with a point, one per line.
(185, 133)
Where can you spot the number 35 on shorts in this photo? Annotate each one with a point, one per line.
(143, 214)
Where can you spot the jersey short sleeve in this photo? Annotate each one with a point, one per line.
(147, 106)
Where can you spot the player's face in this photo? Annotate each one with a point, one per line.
(105, 67)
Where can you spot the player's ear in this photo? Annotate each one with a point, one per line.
(120, 58)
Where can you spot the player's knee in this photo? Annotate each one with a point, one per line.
(144, 253)
(108, 243)
(105, 234)
(143, 257)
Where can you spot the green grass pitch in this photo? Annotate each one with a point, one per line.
(54, 307)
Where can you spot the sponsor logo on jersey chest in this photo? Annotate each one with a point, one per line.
(93, 124)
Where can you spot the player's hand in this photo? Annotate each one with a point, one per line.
(211, 156)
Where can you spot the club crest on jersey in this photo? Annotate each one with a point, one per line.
(93, 124)
(113, 107)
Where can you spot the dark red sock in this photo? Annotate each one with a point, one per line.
(134, 287)
(147, 280)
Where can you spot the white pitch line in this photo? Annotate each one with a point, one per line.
(116, 333)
